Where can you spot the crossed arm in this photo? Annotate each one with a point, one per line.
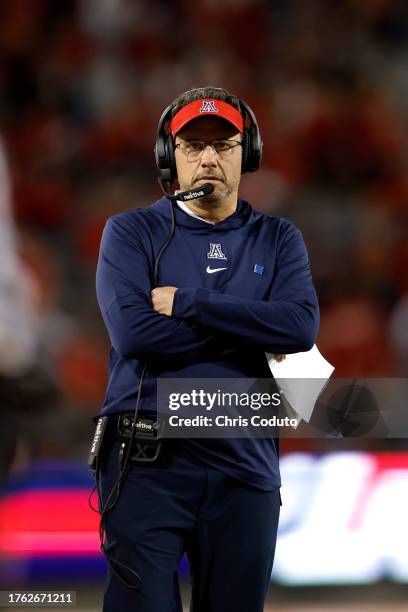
(162, 302)
(166, 321)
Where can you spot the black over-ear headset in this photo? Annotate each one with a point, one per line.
(164, 150)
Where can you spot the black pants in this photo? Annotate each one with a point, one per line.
(177, 504)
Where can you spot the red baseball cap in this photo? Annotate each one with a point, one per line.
(199, 108)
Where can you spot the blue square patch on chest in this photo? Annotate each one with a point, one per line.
(258, 269)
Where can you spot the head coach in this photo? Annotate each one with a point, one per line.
(198, 288)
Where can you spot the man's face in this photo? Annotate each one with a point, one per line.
(223, 172)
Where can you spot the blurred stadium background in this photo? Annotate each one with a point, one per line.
(82, 85)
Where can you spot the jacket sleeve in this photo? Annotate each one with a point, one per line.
(123, 286)
(286, 323)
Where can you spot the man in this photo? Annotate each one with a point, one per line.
(232, 284)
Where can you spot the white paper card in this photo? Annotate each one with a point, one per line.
(311, 370)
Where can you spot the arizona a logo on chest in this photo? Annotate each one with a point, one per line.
(215, 252)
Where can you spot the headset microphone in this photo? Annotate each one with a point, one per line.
(192, 194)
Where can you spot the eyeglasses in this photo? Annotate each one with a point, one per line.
(193, 149)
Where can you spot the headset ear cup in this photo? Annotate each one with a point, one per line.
(164, 151)
(159, 153)
(256, 149)
(245, 151)
(171, 157)
(252, 141)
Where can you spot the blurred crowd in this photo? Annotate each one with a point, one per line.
(82, 86)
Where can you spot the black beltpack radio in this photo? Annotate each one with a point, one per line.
(144, 434)
(145, 439)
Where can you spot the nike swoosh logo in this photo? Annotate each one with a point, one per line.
(211, 270)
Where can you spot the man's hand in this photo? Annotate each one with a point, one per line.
(162, 299)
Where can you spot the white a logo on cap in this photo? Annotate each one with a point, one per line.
(208, 107)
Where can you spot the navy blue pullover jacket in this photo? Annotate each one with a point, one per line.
(222, 322)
